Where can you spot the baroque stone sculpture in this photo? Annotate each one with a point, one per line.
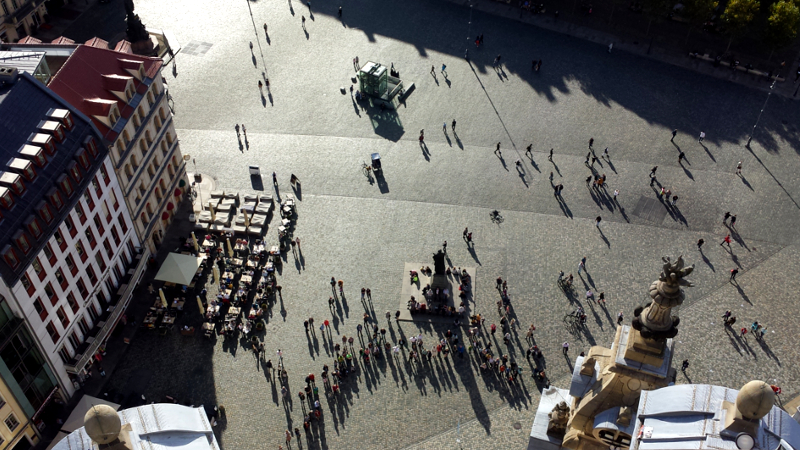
(557, 425)
(655, 321)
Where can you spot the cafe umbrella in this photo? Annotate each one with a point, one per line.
(200, 305)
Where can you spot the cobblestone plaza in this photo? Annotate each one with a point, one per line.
(363, 233)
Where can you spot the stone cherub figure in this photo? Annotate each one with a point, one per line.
(559, 416)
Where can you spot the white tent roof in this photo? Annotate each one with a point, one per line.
(179, 269)
(75, 419)
(160, 426)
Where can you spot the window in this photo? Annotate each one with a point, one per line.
(89, 235)
(136, 122)
(106, 212)
(91, 145)
(62, 316)
(75, 172)
(62, 281)
(5, 197)
(101, 263)
(82, 288)
(33, 226)
(126, 137)
(99, 224)
(115, 234)
(150, 99)
(22, 241)
(11, 422)
(70, 264)
(37, 267)
(70, 225)
(79, 248)
(128, 172)
(109, 249)
(114, 199)
(10, 256)
(91, 274)
(38, 305)
(79, 212)
(170, 170)
(53, 332)
(55, 199)
(48, 253)
(66, 185)
(83, 158)
(134, 162)
(59, 239)
(44, 212)
(73, 304)
(26, 282)
(84, 326)
(74, 340)
(120, 150)
(88, 196)
(64, 354)
(164, 148)
(104, 173)
(93, 309)
(48, 290)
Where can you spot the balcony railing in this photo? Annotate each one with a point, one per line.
(105, 323)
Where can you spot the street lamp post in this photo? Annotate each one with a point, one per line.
(469, 33)
(772, 86)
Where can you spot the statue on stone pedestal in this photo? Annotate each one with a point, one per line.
(655, 322)
(559, 416)
(136, 33)
(438, 263)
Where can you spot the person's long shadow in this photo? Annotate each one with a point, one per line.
(458, 141)
(564, 208)
(521, 173)
(435, 79)
(603, 235)
(706, 260)
(710, 155)
(355, 105)
(306, 32)
(447, 136)
(253, 57)
(471, 249)
(611, 166)
(503, 161)
(766, 349)
(746, 183)
(687, 172)
(533, 163)
(425, 151)
(269, 41)
(447, 81)
(741, 292)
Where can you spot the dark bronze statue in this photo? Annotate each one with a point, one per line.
(438, 263)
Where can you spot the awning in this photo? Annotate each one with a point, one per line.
(86, 402)
(178, 192)
(165, 216)
(170, 206)
(179, 269)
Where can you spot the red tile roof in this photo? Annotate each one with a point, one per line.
(97, 42)
(29, 40)
(123, 46)
(61, 40)
(90, 74)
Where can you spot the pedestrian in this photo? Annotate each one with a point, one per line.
(444, 127)
(260, 88)
(565, 347)
(528, 150)
(251, 46)
(340, 12)
(674, 199)
(265, 29)
(653, 174)
(610, 46)
(288, 437)
(733, 220)
(493, 328)
(469, 238)
(727, 214)
(739, 168)
(497, 150)
(681, 156)
(616, 193)
(734, 271)
(518, 163)
(684, 365)
(274, 178)
(591, 142)
(619, 318)
(582, 265)
(550, 158)
(304, 21)
(444, 247)
(726, 240)
(421, 136)
(481, 41)
(674, 133)
(700, 243)
(594, 160)
(605, 154)
(597, 221)
(464, 234)
(237, 135)
(444, 70)
(433, 71)
(726, 316)
(454, 125)
(702, 136)
(588, 180)
(539, 65)
(602, 298)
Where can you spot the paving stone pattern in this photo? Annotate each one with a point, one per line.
(363, 233)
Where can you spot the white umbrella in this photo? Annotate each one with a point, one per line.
(213, 214)
(246, 219)
(200, 305)
(194, 241)
(230, 249)
(216, 274)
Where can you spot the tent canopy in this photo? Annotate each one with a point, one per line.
(75, 419)
(179, 269)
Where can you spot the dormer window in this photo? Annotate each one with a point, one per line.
(113, 115)
(63, 116)
(55, 199)
(91, 145)
(83, 158)
(45, 141)
(23, 167)
(74, 172)
(53, 127)
(65, 184)
(141, 72)
(44, 212)
(34, 153)
(22, 241)
(6, 199)
(10, 256)
(33, 227)
(14, 181)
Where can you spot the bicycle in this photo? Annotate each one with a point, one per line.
(496, 217)
(366, 168)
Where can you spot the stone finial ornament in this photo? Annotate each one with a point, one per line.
(655, 321)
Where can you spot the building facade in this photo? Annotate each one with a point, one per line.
(20, 18)
(144, 149)
(69, 255)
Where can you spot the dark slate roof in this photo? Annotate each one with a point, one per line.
(23, 105)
